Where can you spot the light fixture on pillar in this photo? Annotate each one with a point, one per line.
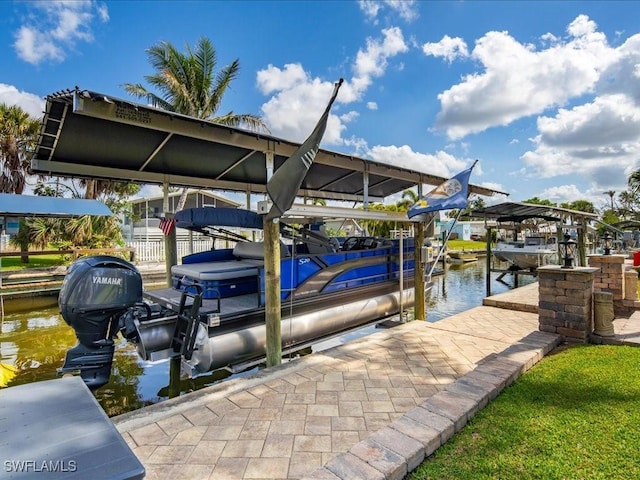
(567, 248)
(607, 243)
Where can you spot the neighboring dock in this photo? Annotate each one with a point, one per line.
(39, 287)
(372, 408)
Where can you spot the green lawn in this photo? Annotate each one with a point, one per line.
(35, 261)
(574, 415)
(466, 245)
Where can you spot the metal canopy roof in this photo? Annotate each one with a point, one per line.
(88, 134)
(34, 206)
(518, 212)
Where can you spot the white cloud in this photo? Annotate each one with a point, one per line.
(441, 163)
(30, 103)
(520, 81)
(298, 99)
(623, 75)
(599, 140)
(272, 79)
(349, 116)
(295, 109)
(406, 9)
(562, 194)
(56, 27)
(447, 48)
(372, 62)
(492, 186)
(372, 105)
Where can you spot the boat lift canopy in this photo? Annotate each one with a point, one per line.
(518, 212)
(89, 134)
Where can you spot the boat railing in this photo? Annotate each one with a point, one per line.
(297, 270)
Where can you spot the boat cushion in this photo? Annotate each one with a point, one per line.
(255, 250)
(217, 270)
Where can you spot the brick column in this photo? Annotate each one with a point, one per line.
(565, 301)
(610, 277)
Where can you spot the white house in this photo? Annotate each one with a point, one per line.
(150, 211)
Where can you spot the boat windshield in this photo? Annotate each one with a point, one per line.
(534, 241)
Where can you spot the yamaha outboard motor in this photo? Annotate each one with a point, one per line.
(96, 293)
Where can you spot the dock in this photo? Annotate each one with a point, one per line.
(38, 288)
(373, 408)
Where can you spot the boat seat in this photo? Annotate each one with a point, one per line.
(255, 250)
(320, 244)
(218, 270)
(250, 257)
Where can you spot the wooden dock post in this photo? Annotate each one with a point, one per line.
(272, 307)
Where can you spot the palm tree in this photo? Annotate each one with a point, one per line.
(611, 194)
(189, 84)
(18, 135)
(409, 198)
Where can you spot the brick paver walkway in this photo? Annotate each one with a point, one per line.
(286, 422)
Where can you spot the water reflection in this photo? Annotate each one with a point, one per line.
(35, 344)
(463, 286)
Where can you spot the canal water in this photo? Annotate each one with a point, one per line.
(33, 344)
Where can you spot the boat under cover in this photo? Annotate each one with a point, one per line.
(213, 316)
(533, 252)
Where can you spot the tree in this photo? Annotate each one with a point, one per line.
(475, 203)
(409, 199)
(539, 201)
(634, 181)
(18, 136)
(629, 204)
(611, 194)
(580, 206)
(189, 84)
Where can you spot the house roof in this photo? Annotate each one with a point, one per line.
(35, 206)
(89, 134)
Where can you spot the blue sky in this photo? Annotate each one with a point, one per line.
(545, 94)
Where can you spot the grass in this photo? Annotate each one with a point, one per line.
(466, 245)
(573, 416)
(35, 261)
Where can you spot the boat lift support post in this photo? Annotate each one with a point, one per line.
(272, 306)
(170, 245)
(418, 283)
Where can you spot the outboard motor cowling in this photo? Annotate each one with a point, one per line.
(95, 293)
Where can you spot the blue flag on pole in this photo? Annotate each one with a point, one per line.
(449, 195)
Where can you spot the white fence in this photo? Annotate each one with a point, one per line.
(154, 251)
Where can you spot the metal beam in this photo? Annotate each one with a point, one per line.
(318, 211)
(93, 171)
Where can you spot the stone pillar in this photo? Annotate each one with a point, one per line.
(565, 301)
(610, 277)
(631, 285)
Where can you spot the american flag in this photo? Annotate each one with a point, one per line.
(166, 225)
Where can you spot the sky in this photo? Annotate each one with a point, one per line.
(545, 94)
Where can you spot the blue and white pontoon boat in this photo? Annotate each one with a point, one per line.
(214, 315)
